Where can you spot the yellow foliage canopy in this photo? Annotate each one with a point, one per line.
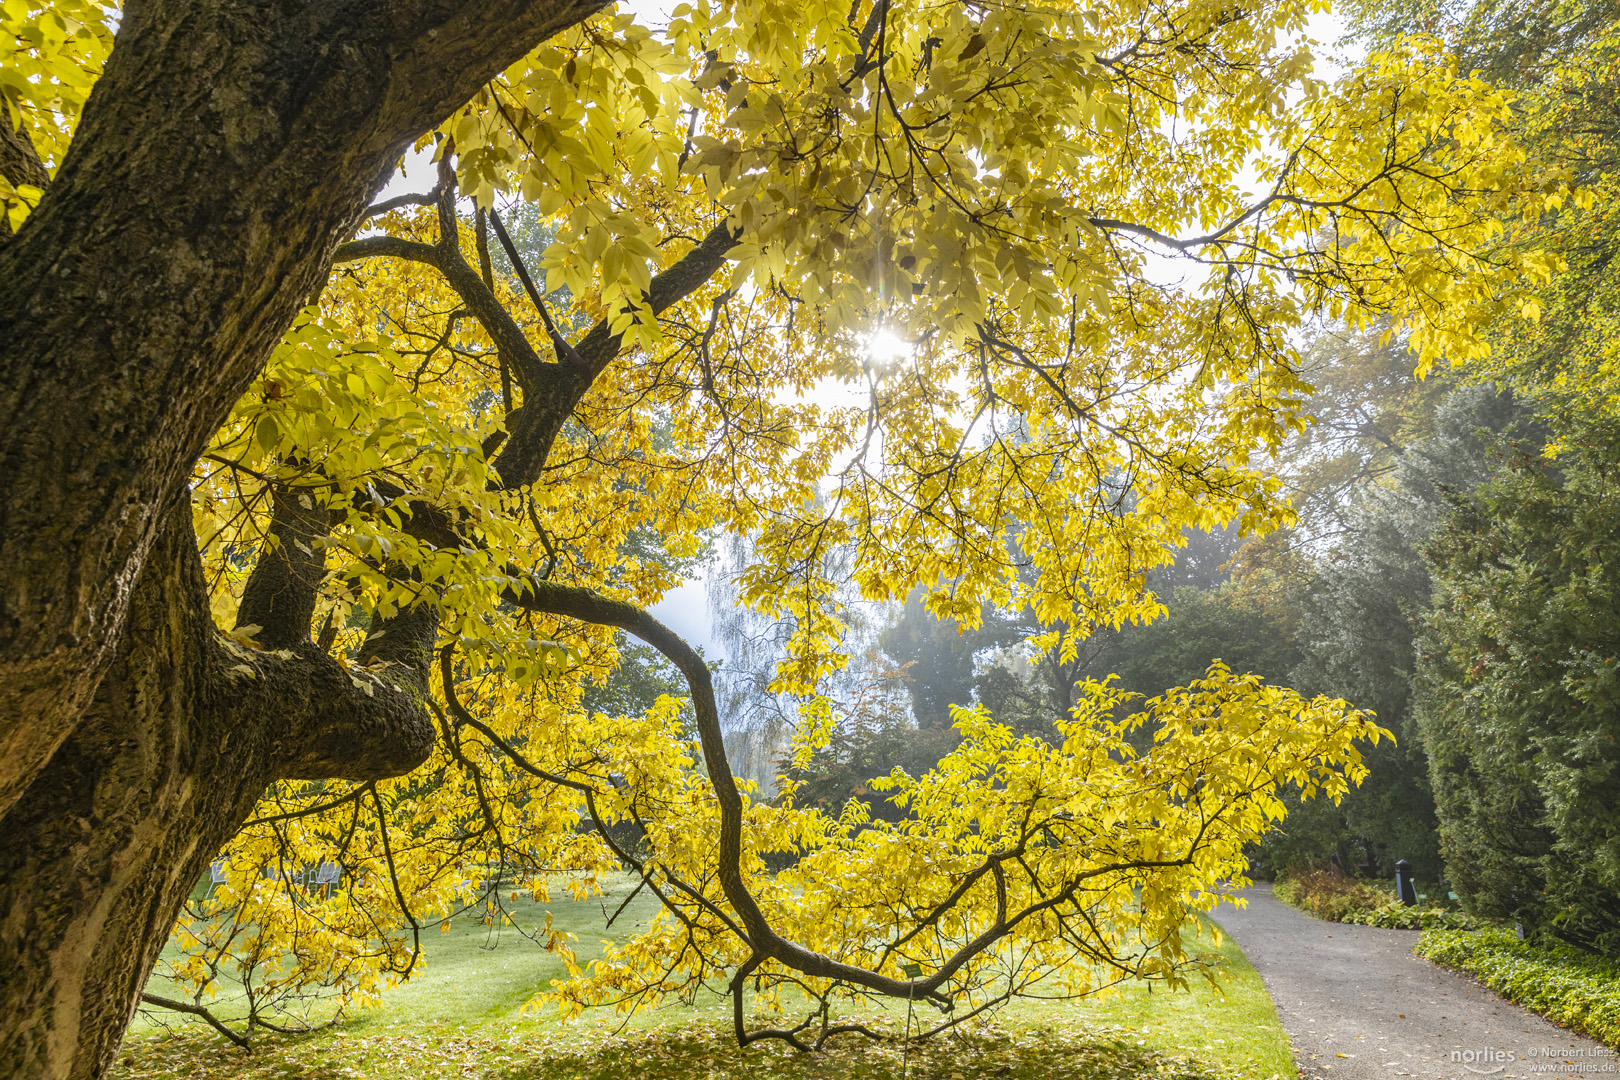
(1050, 208)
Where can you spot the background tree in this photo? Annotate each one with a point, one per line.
(1496, 647)
(1516, 694)
(1367, 407)
(1364, 606)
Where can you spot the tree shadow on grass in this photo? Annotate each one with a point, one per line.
(698, 1050)
(704, 1052)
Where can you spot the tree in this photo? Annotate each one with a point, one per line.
(938, 657)
(1503, 782)
(1362, 611)
(1512, 44)
(192, 214)
(1516, 694)
(1210, 613)
(237, 541)
(876, 735)
(1367, 407)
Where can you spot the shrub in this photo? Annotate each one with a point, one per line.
(1394, 915)
(1568, 986)
(1337, 898)
(1330, 896)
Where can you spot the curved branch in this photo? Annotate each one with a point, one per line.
(766, 944)
(588, 606)
(196, 1010)
(393, 878)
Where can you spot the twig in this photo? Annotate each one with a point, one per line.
(426, 198)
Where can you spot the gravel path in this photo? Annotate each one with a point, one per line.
(1358, 1005)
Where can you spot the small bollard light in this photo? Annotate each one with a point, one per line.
(1405, 890)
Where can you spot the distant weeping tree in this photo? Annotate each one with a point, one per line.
(759, 719)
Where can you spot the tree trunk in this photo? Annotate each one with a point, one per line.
(181, 738)
(103, 848)
(226, 151)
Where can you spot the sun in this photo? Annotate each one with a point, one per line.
(884, 348)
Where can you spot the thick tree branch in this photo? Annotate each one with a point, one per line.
(535, 425)
(279, 596)
(688, 274)
(19, 161)
(19, 164)
(425, 198)
(327, 721)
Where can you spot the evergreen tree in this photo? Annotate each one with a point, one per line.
(1519, 692)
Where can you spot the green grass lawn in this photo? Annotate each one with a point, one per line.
(462, 1016)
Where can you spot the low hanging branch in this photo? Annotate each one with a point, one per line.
(1004, 883)
(283, 586)
(764, 942)
(191, 1009)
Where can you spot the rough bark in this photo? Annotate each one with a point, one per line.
(226, 151)
(107, 841)
(182, 736)
(19, 164)
(279, 596)
(229, 147)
